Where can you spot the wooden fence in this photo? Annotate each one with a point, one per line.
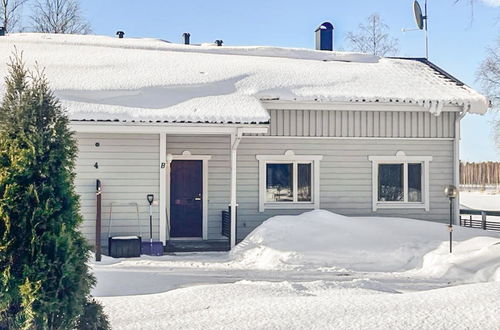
(467, 219)
(480, 174)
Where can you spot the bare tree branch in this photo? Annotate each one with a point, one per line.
(59, 16)
(10, 16)
(373, 38)
(488, 76)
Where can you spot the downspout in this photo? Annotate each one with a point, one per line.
(456, 163)
(235, 141)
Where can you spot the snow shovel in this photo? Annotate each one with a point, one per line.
(151, 248)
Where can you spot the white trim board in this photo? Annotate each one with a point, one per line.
(164, 216)
(186, 155)
(344, 138)
(289, 156)
(147, 128)
(401, 158)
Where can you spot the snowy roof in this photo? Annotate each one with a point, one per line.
(105, 78)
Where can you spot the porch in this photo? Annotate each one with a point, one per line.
(173, 246)
(203, 154)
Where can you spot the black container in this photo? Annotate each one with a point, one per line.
(124, 247)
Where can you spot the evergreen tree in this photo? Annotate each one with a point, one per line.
(44, 280)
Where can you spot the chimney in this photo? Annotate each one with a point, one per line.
(219, 42)
(2, 31)
(120, 34)
(324, 36)
(186, 36)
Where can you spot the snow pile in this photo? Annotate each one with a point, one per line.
(104, 78)
(321, 239)
(474, 260)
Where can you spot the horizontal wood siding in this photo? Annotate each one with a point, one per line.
(392, 124)
(218, 172)
(128, 170)
(346, 186)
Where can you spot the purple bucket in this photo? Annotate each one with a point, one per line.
(152, 248)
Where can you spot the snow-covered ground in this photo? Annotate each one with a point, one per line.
(315, 270)
(484, 201)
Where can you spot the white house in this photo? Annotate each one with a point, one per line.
(269, 130)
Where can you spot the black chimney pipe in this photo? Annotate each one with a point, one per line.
(219, 42)
(186, 36)
(120, 34)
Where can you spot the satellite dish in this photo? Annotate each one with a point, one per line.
(419, 18)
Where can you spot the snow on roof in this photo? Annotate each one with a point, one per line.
(105, 78)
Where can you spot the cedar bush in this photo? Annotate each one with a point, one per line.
(44, 279)
(93, 317)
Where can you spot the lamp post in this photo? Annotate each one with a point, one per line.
(451, 192)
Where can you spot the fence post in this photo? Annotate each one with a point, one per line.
(470, 221)
(483, 220)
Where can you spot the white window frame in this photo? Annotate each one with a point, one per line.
(290, 157)
(401, 158)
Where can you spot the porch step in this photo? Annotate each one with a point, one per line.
(196, 246)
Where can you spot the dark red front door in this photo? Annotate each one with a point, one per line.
(186, 206)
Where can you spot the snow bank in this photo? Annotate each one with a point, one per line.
(104, 78)
(474, 260)
(313, 305)
(321, 239)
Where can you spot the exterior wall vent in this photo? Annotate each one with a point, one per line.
(324, 36)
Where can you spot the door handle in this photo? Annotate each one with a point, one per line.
(197, 199)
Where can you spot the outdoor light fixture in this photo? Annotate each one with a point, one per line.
(451, 192)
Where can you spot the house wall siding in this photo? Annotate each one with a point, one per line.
(349, 123)
(128, 170)
(345, 175)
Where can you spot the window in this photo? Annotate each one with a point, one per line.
(280, 178)
(391, 182)
(400, 181)
(288, 181)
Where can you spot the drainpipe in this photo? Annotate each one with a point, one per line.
(235, 141)
(456, 163)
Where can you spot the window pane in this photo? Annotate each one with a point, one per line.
(415, 182)
(304, 183)
(279, 184)
(390, 182)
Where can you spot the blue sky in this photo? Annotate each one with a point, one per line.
(458, 33)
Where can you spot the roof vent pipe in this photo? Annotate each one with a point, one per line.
(2, 31)
(324, 36)
(219, 42)
(120, 34)
(186, 36)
